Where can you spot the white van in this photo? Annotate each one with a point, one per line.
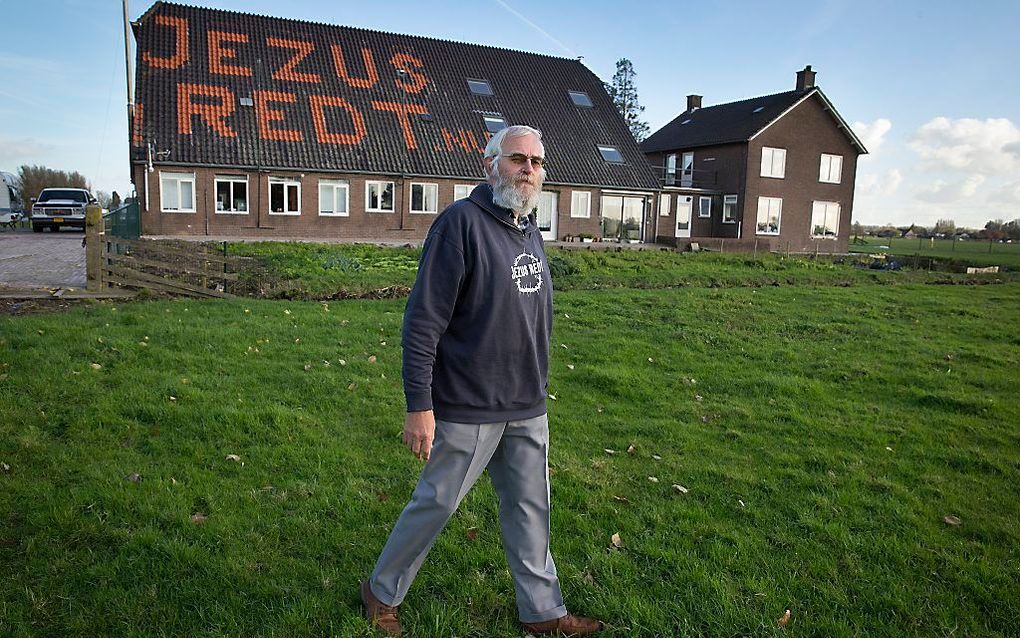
(11, 209)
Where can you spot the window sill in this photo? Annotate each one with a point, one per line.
(178, 211)
(287, 214)
(378, 210)
(424, 212)
(231, 212)
(322, 214)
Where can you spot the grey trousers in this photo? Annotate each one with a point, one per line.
(516, 455)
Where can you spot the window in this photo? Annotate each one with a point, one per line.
(232, 194)
(704, 207)
(773, 162)
(425, 198)
(611, 154)
(687, 168)
(379, 197)
(177, 192)
(729, 209)
(664, 202)
(580, 98)
(462, 191)
(333, 198)
(494, 123)
(671, 169)
(824, 220)
(284, 196)
(480, 87)
(580, 204)
(830, 169)
(770, 210)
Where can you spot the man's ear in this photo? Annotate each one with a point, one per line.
(487, 165)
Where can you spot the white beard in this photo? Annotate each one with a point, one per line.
(506, 193)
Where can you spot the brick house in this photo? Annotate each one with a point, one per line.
(774, 172)
(252, 126)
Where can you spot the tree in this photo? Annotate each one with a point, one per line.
(945, 227)
(104, 199)
(35, 178)
(625, 97)
(858, 230)
(114, 201)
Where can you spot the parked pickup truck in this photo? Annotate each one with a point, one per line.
(56, 207)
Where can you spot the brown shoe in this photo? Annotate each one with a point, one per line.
(569, 625)
(382, 617)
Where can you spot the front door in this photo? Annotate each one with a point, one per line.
(684, 203)
(547, 215)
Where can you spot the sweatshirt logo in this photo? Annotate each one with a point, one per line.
(527, 273)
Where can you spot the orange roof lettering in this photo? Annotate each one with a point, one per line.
(180, 56)
(371, 74)
(220, 55)
(322, 132)
(405, 61)
(302, 50)
(214, 115)
(267, 115)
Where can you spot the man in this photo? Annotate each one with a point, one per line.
(476, 357)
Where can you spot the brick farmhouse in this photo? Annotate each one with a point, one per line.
(770, 173)
(260, 127)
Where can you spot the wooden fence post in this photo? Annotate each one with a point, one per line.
(94, 248)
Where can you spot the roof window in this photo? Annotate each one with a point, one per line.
(611, 154)
(685, 122)
(759, 109)
(494, 123)
(580, 98)
(480, 87)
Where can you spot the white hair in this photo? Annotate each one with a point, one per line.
(495, 146)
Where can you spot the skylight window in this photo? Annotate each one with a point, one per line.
(580, 98)
(494, 124)
(759, 109)
(611, 154)
(480, 87)
(685, 122)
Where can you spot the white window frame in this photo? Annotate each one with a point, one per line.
(687, 170)
(426, 186)
(465, 189)
(334, 186)
(285, 182)
(382, 187)
(606, 148)
(769, 202)
(488, 86)
(494, 120)
(576, 205)
(571, 93)
(177, 178)
(671, 169)
(701, 207)
(665, 203)
(729, 200)
(827, 209)
(231, 179)
(828, 165)
(773, 162)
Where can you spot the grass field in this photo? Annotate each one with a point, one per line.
(823, 434)
(317, 271)
(975, 252)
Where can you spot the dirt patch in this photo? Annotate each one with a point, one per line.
(16, 307)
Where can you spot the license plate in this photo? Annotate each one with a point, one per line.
(58, 219)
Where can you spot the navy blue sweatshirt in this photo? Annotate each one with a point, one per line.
(477, 324)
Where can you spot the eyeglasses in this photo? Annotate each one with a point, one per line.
(520, 158)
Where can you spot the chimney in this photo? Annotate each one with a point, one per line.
(693, 103)
(805, 78)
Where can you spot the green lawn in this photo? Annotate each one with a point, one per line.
(823, 434)
(974, 252)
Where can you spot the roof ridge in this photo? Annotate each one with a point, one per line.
(158, 3)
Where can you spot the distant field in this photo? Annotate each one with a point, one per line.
(977, 252)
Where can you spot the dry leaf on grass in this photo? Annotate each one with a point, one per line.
(952, 520)
(621, 499)
(552, 396)
(631, 450)
(382, 497)
(609, 451)
(352, 386)
(4, 467)
(471, 533)
(653, 479)
(308, 366)
(232, 457)
(198, 518)
(680, 488)
(372, 359)
(96, 366)
(588, 578)
(656, 457)
(617, 542)
(784, 619)
(134, 478)
(570, 366)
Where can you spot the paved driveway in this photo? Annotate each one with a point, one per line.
(42, 260)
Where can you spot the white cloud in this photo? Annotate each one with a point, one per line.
(1008, 194)
(880, 185)
(18, 150)
(943, 192)
(986, 147)
(872, 135)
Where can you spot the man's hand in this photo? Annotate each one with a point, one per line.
(419, 430)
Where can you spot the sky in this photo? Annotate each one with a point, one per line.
(930, 87)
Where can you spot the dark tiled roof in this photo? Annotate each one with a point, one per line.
(722, 123)
(529, 89)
